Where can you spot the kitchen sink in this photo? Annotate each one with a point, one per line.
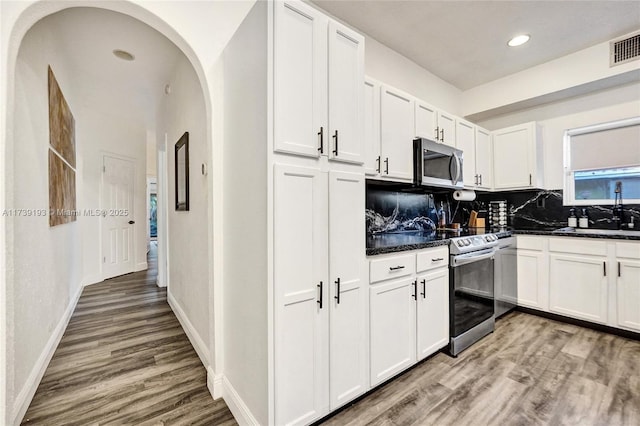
(591, 231)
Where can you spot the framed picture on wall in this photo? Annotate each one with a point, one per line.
(182, 172)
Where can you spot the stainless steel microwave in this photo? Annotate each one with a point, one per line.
(436, 164)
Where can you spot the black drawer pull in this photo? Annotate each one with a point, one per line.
(415, 290)
(337, 296)
(321, 134)
(437, 259)
(424, 289)
(319, 302)
(395, 268)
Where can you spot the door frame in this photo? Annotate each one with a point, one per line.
(103, 155)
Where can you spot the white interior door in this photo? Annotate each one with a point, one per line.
(117, 217)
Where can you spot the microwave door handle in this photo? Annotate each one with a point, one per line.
(459, 175)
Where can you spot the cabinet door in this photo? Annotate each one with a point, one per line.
(371, 127)
(629, 294)
(346, 94)
(466, 142)
(348, 288)
(484, 159)
(432, 312)
(396, 133)
(447, 128)
(531, 280)
(300, 79)
(392, 314)
(300, 282)
(512, 157)
(426, 121)
(578, 286)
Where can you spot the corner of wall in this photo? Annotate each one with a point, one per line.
(236, 405)
(196, 340)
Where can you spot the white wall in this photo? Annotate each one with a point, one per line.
(390, 67)
(188, 287)
(600, 107)
(47, 262)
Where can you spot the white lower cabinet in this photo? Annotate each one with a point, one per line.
(432, 312)
(578, 286)
(532, 281)
(628, 285)
(409, 315)
(393, 328)
(320, 345)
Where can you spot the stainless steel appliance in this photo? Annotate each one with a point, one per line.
(471, 291)
(436, 164)
(506, 276)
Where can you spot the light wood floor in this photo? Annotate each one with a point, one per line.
(530, 371)
(125, 360)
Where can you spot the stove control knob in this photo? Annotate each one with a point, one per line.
(459, 243)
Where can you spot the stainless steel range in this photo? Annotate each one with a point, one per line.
(471, 292)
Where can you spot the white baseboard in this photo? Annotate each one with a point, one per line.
(92, 279)
(196, 341)
(142, 266)
(27, 392)
(214, 383)
(238, 408)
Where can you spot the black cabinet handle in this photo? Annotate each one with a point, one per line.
(415, 290)
(386, 165)
(476, 179)
(442, 134)
(619, 269)
(335, 136)
(480, 179)
(437, 132)
(337, 296)
(604, 267)
(395, 268)
(424, 289)
(131, 222)
(437, 259)
(378, 162)
(530, 181)
(321, 134)
(319, 302)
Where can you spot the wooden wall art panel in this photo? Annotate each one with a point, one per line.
(62, 157)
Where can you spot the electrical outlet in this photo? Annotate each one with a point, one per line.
(540, 203)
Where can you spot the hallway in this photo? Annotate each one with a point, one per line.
(124, 359)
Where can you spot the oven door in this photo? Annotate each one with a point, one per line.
(471, 285)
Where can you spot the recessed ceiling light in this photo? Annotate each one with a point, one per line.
(124, 55)
(519, 40)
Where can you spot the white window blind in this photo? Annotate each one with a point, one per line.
(606, 149)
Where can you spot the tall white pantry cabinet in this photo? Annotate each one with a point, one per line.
(293, 150)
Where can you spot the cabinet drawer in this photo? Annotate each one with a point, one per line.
(530, 243)
(392, 267)
(434, 258)
(628, 250)
(578, 246)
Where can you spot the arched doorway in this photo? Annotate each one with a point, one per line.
(35, 308)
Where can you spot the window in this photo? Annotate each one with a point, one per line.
(597, 157)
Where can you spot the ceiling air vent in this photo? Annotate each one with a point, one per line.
(625, 49)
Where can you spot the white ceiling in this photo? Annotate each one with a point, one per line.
(128, 89)
(465, 42)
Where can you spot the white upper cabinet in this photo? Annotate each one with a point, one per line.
(467, 143)
(434, 124)
(484, 159)
(517, 157)
(396, 133)
(371, 127)
(447, 128)
(300, 73)
(318, 93)
(426, 121)
(346, 103)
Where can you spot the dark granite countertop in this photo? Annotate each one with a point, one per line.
(436, 240)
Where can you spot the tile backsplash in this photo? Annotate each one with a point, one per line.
(397, 210)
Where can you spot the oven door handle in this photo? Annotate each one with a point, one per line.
(464, 259)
